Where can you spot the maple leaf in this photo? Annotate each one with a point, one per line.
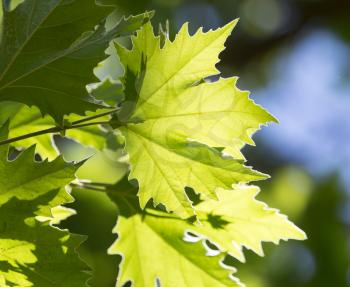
(27, 179)
(238, 220)
(47, 57)
(178, 116)
(172, 250)
(165, 256)
(34, 253)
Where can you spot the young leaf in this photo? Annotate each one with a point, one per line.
(165, 166)
(47, 57)
(177, 115)
(238, 220)
(164, 256)
(173, 94)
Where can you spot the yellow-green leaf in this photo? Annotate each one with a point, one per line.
(238, 220)
(177, 116)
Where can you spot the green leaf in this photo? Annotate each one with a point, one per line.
(26, 120)
(58, 214)
(47, 57)
(177, 115)
(238, 220)
(164, 255)
(108, 91)
(34, 253)
(234, 221)
(174, 95)
(4, 131)
(111, 167)
(27, 179)
(165, 166)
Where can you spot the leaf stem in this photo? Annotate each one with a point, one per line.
(77, 124)
(95, 116)
(30, 135)
(49, 131)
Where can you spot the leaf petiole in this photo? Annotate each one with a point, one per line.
(74, 125)
(95, 116)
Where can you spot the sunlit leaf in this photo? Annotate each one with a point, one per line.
(170, 110)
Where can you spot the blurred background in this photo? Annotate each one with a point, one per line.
(294, 56)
